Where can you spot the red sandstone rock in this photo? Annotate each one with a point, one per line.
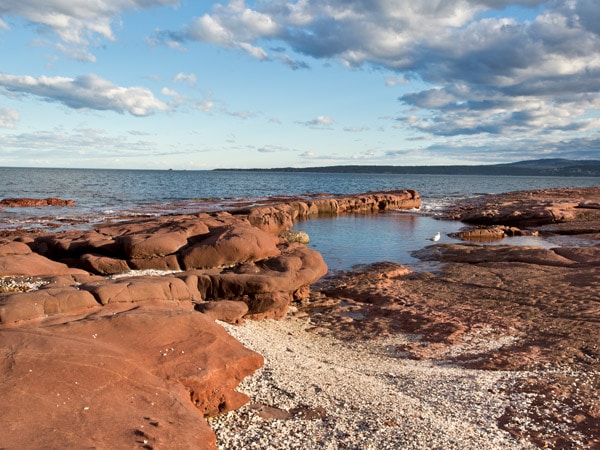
(169, 262)
(141, 378)
(103, 265)
(285, 273)
(528, 208)
(236, 244)
(42, 303)
(8, 248)
(74, 243)
(139, 289)
(266, 275)
(145, 245)
(225, 310)
(493, 233)
(33, 265)
(589, 256)
(280, 217)
(497, 253)
(272, 305)
(34, 202)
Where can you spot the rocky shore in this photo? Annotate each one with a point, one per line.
(109, 336)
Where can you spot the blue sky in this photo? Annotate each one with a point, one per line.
(199, 85)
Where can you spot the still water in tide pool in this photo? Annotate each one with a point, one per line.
(352, 240)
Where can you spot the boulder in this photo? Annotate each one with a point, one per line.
(18, 307)
(74, 243)
(272, 305)
(269, 286)
(9, 248)
(146, 245)
(236, 244)
(295, 236)
(103, 265)
(139, 289)
(224, 310)
(274, 219)
(493, 233)
(33, 264)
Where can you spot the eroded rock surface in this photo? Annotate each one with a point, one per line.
(94, 355)
(139, 377)
(531, 208)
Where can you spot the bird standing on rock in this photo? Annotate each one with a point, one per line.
(436, 237)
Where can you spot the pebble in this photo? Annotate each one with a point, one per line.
(21, 284)
(371, 399)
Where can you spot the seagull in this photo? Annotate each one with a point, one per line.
(436, 237)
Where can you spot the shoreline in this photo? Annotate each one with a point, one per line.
(518, 323)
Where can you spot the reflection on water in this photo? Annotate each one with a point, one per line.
(353, 239)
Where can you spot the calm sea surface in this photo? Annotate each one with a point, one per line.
(344, 241)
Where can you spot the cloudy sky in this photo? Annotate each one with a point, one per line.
(188, 84)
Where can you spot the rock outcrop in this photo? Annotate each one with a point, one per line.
(134, 377)
(528, 208)
(112, 330)
(23, 202)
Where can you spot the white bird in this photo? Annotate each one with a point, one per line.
(436, 237)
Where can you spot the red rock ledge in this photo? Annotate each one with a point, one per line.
(34, 202)
(90, 360)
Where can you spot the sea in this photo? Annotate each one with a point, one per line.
(345, 241)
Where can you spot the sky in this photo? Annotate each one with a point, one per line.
(177, 84)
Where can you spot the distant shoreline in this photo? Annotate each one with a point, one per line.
(540, 167)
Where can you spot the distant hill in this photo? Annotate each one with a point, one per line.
(538, 167)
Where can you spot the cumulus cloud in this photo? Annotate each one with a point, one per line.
(233, 26)
(84, 92)
(485, 72)
(76, 22)
(8, 117)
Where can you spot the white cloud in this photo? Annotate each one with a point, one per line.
(491, 72)
(85, 92)
(233, 26)
(8, 117)
(205, 105)
(319, 122)
(273, 149)
(76, 22)
(188, 78)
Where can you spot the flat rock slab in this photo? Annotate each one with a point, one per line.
(139, 378)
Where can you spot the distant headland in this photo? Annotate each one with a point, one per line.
(539, 167)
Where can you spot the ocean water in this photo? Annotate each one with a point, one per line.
(103, 194)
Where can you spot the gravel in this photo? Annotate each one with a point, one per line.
(332, 394)
(20, 284)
